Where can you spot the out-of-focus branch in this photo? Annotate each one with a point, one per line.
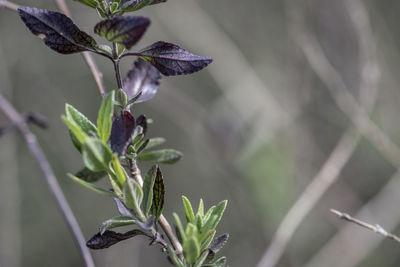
(344, 99)
(97, 74)
(331, 169)
(9, 5)
(51, 180)
(375, 228)
(351, 245)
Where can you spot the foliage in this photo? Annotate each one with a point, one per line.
(113, 145)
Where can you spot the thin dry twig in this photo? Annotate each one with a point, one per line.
(374, 228)
(331, 169)
(344, 99)
(9, 5)
(350, 245)
(51, 180)
(97, 74)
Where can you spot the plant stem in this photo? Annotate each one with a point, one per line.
(117, 73)
(116, 65)
(135, 173)
(51, 180)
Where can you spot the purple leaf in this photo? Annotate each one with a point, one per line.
(109, 238)
(142, 121)
(143, 77)
(57, 30)
(121, 132)
(171, 59)
(133, 5)
(123, 30)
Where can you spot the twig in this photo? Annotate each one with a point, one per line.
(331, 169)
(97, 74)
(351, 245)
(9, 5)
(375, 228)
(135, 172)
(344, 99)
(51, 180)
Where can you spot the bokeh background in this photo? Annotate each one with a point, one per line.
(256, 127)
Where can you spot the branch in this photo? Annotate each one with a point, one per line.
(97, 74)
(351, 244)
(9, 5)
(51, 180)
(375, 228)
(330, 171)
(344, 99)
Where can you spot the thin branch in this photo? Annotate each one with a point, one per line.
(331, 169)
(351, 244)
(344, 99)
(9, 5)
(97, 74)
(51, 180)
(375, 228)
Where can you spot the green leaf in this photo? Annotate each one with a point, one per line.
(73, 115)
(92, 186)
(208, 214)
(120, 173)
(148, 185)
(200, 210)
(76, 131)
(179, 225)
(56, 30)
(177, 262)
(188, 209)
(202, 259)
(168, 156)
(219, 211)
(191, 250)
(89, 3)
(208, 225)
(90, 176)
(158, 195)
(133, 194)
(207, 239)
(126, 30)
(84, 123)
(221, 262)
(191, 230)
(96, 155)
(116, 222)
(142, 146)
(104, 118)
(155, 142)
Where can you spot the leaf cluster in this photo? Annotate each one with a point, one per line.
(105, 148)
(112, 146)
(198, 238)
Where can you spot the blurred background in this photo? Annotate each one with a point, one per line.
(257, 127)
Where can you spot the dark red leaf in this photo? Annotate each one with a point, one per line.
(171, 59)
(143, 77)
(126, 30)
(121, 132)
(57, 30)
(109, 238)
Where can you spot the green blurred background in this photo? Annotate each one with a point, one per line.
(255, 127)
